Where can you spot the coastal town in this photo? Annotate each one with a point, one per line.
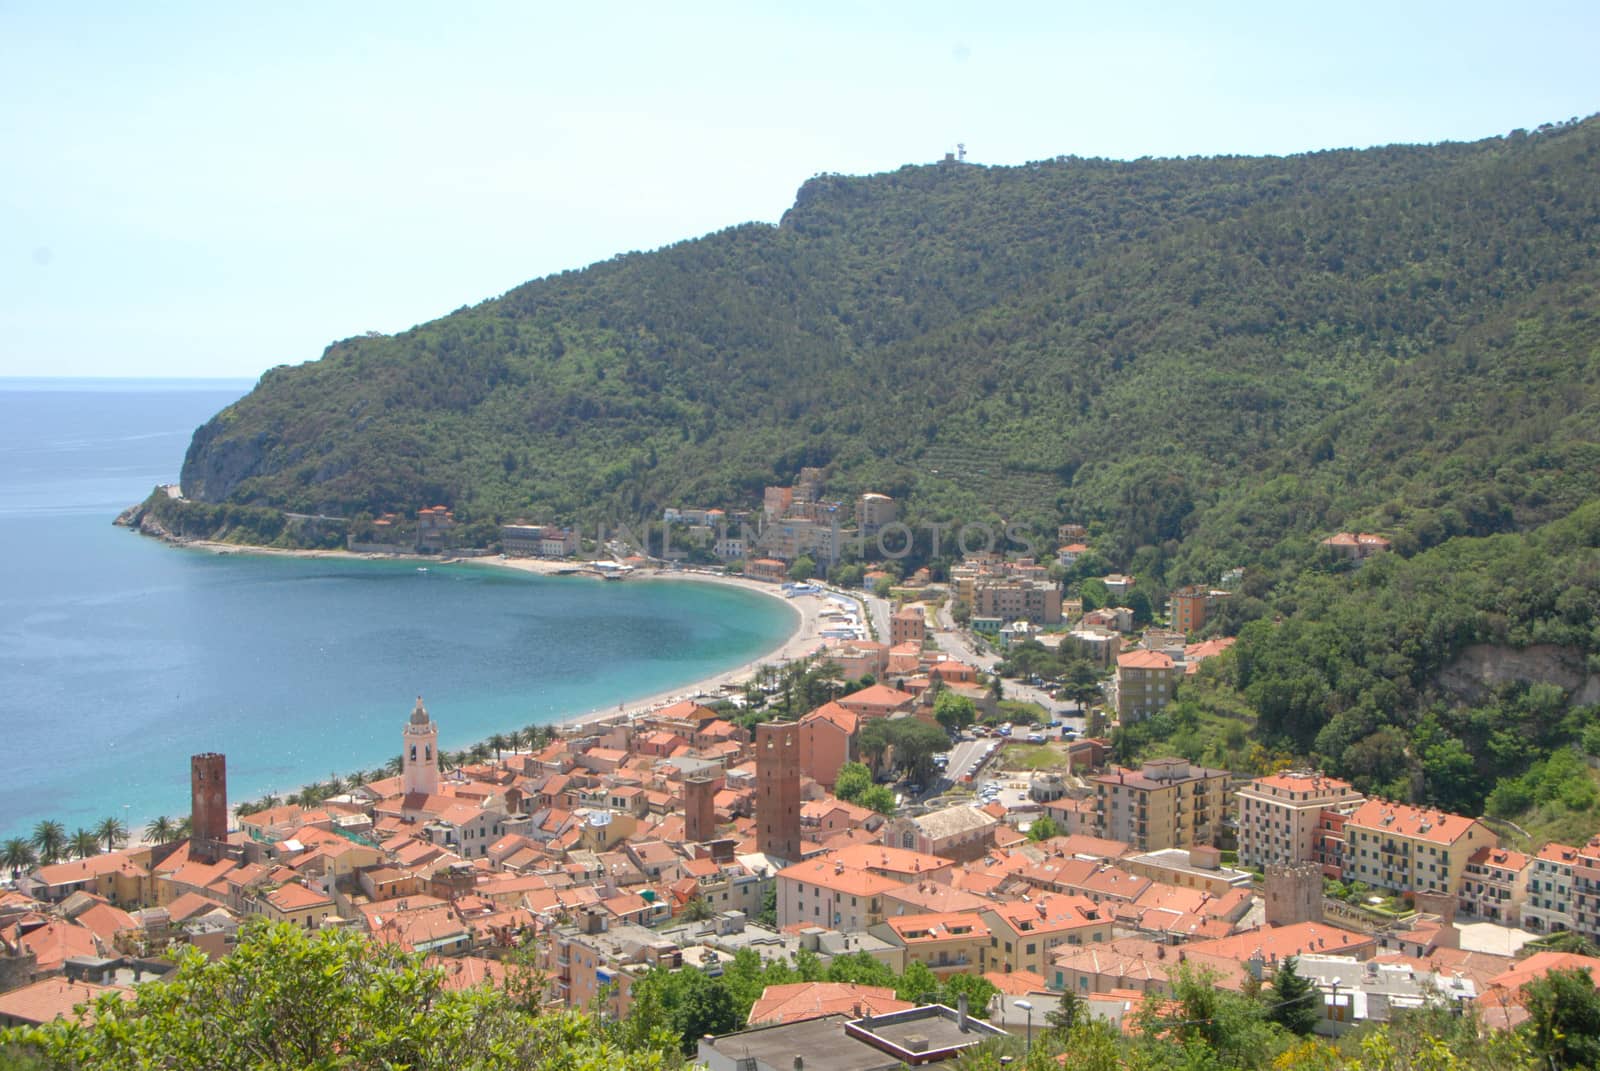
(889, 804)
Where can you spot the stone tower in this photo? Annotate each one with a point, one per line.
(419, 757)
(208, 807)
(699, 808)
(1293, 893)
(778, 790)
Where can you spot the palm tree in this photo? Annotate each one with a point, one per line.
(498, 742)
(479, 751)
(18, 856)
(335, 785)
(269, 802)
(186, 827)
(516, 737)
(357, 778)
(160, 830)
(394, 765)
(112, 833)
(84, 843)
(50, 838)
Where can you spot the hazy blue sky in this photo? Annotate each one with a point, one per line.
(210, 189)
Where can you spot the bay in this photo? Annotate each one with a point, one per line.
(120, 656)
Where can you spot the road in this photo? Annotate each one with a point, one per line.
(957, 644)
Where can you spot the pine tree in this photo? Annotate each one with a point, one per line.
(1296, 1004)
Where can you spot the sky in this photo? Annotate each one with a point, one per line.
(203, 189)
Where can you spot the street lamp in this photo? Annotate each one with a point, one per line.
(1026, 1006)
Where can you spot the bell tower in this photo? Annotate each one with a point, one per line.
(419, 755)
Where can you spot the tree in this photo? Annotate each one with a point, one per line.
(954, 712)
(84, 843)
(1069, 1011)
(1564, 1018)
(697, 909)
(498, 742)
(861, 969)
(917, 984)
(285, 998)
(18, 856)
(1296, 1003)
(1043, 828)
(768, 915)
(112, 833)
(694, 1003)
(804, 568)
(878, 798)
(853, 779)
(978, 990)
(50, 839)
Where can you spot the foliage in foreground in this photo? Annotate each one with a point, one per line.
(290, 1000)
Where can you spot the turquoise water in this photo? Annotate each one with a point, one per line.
(120, 657)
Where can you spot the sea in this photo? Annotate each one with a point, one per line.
(121, 656)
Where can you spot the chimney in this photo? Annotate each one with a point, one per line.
(961, 1013)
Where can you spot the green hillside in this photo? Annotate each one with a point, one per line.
(1229, 351)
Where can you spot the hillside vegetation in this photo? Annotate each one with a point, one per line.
(1211, 362)
(1229, 351)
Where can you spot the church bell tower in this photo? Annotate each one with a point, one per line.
(419, 757)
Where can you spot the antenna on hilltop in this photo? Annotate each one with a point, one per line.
(961, 151)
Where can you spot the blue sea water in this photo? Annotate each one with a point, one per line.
(120, 656)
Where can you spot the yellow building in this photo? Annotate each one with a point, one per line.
(294, 904)
(946, 942)
(1028, 933)
(1166, 803)
(1408, 849)
(1146, 681)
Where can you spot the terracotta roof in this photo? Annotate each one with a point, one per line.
(1438, 827)
(812, 1000)
(53, 998)
(1275, 943)
(824, 874)
(916, 929)
(1144, 660)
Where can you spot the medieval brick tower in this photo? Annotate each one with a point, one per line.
(419, 755)
(208, 807)
(699, 808)
(778, 790)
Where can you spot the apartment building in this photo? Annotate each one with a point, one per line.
(1191, 607)
(1146, 681)
(1279, 816)
(946, 942)
(1410, 849)
(1028, 933)
(821, 892)
(1548, 908)
(1015, 599)
(1495, 885)
(1166, 803)
(908, 625)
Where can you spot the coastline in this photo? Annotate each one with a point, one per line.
(806, 639)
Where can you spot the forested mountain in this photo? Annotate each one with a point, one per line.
(1212, 362)
(1226, 351)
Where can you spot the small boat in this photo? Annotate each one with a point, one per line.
(422, 568)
